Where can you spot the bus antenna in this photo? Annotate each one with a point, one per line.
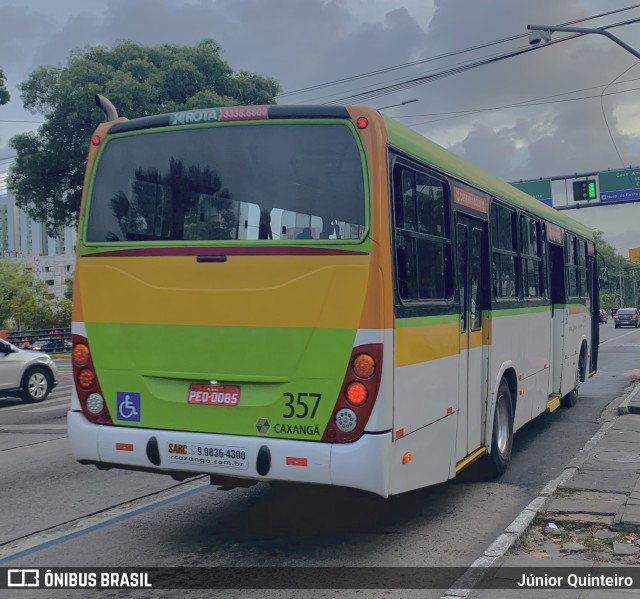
(107, 107)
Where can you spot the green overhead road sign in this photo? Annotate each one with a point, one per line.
(539, 189)
(619, 186)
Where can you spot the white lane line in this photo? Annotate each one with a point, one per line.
(618, 337)
(51, 399)
(57, 534)
(8, 428)
(63, 405)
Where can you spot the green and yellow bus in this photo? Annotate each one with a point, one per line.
(315, 294)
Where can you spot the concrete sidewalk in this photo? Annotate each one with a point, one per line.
(589, 516)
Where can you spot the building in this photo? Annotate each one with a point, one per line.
(25, 241)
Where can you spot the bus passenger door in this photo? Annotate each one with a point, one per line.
(471, 249)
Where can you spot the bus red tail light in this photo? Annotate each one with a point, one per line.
(87, 385)
(86, 378)
(356, 393)
(357, 396)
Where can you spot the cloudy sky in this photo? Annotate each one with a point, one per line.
(580, 114)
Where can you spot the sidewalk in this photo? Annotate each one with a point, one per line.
(588, 517)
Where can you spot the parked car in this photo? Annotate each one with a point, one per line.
(27, 373)
(603, 316)
(627, 317)
(51, 345)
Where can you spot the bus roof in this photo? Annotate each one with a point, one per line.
(425, 150)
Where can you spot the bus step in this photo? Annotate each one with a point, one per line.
(553, 403)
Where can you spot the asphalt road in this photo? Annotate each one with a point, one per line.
(56, 512)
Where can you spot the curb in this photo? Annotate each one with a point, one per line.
(464, 585)
(625, 408)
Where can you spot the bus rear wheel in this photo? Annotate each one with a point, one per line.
(571, 398)
(502, 436)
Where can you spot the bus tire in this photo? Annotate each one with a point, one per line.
(502, 435)
(571, 398)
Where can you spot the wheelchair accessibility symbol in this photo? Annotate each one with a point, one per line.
(129, 406)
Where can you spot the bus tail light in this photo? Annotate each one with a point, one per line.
(86, 381)
(356, 393)
(357, 396)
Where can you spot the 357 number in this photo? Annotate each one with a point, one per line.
(300, 405)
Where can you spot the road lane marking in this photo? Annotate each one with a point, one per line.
(618, 337)
(21, 428)
(65, 403)
(54, 397)
(47, 538)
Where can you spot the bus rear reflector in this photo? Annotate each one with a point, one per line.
(296, 461)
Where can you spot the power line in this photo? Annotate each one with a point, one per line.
(530, 102)
(18, 121)
(613, 141)
(395, 87)
(445, 55)
(524, 104)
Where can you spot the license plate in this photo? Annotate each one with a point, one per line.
(214, 395)
(222, 456)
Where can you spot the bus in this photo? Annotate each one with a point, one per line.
(315, 294)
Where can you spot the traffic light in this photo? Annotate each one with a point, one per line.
(584, 190)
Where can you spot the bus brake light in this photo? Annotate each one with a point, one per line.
(86, 378)
(356, 393)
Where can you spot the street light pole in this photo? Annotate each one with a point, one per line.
(545, 31)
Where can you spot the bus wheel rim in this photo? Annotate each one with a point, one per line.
(502, 424)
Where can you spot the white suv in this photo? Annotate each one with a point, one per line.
(29, 374)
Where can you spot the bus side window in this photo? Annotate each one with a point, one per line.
(424, 268)
(504, 258)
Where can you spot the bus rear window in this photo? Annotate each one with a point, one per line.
(230, 183)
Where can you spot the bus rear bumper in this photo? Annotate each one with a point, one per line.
(363, 464)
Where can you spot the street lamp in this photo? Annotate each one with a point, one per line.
(541, 33)
(401, 104)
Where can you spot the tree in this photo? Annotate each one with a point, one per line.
(140, 81)
(62, 308)
(4, 92)
(623, 275)
(25, 302)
